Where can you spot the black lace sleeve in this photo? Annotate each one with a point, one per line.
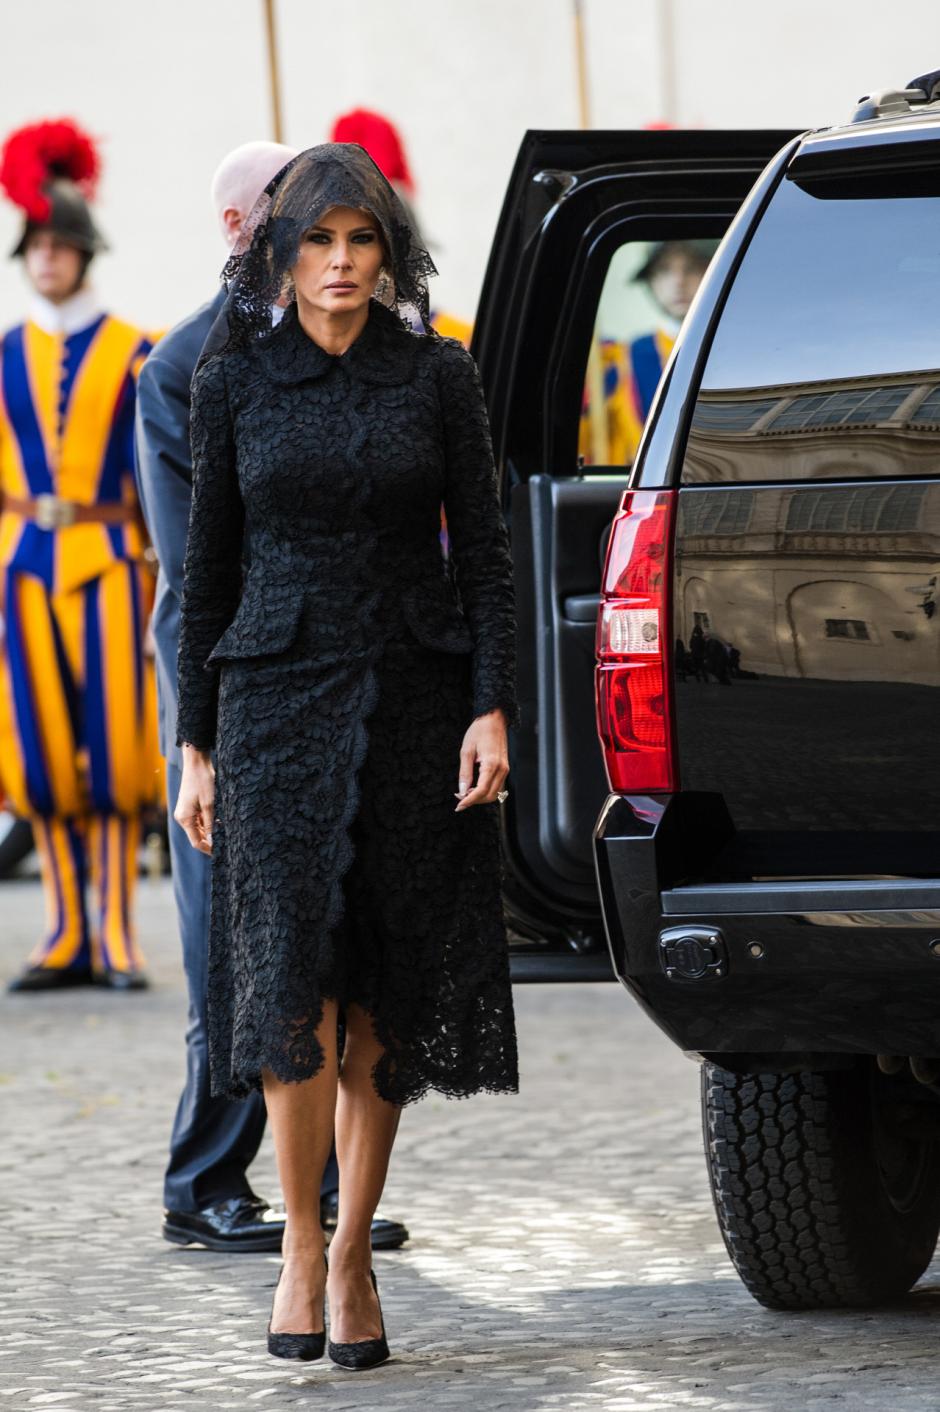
(212, 567)
(478, 538)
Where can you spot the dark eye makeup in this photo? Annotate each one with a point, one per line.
(322, 237)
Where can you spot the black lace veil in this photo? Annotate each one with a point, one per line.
(256, 274)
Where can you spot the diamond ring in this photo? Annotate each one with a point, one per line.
(503, 795)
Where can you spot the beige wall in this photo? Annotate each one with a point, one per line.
(171, 86)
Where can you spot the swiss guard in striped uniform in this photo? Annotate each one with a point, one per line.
(630, 371)
(76, 719)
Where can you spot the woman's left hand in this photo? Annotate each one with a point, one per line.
(486, 745)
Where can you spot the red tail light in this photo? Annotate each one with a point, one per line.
(633, 678)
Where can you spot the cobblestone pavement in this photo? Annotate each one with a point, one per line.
(564, 1254)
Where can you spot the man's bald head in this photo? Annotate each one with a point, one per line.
(240, 179)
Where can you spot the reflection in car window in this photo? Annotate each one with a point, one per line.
(647, 293)
(826, 360)
(832, 289)
(868, 509)
(719, 514)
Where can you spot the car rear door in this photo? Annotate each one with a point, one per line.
(582, 214)
(807, 547)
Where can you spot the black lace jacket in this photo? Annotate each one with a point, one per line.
(318, 482)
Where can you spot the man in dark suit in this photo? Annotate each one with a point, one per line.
(208, 1199)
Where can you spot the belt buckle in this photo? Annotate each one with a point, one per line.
(52, 512)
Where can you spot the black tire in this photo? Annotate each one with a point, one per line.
(16, 841)
(823, 1199)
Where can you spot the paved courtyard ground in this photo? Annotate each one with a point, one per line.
(564, 1254)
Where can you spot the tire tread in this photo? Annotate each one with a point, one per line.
(790, 1196)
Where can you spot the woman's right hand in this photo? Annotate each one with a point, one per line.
(195, 807)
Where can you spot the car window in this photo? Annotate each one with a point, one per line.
(826, 360)
(647, 290)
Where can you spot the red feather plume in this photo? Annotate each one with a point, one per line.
(34, 154)
(380, 138)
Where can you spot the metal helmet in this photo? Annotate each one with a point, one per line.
(700, 250)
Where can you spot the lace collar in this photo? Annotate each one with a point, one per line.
(383, 353)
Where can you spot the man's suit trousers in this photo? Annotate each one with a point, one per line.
(214, 1140)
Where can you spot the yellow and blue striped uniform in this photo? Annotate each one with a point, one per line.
(77, 714)
(631, 373)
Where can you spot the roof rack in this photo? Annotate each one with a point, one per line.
(888, 103)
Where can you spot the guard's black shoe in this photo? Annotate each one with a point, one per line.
(386, 1234)
(51, 978)
(122, 980)
(243, 1223)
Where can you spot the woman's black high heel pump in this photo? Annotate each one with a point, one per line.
(305, 1347)
(368, 1351)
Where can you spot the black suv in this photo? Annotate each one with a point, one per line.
(765, 869)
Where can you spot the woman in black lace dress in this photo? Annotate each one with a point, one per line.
(356, 687)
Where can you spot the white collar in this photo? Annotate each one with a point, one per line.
(73, 314)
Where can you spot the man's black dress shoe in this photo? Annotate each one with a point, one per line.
(51, 978)
(122, 980)
(386, 1234)
(243, 1223)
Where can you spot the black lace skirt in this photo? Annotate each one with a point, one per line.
(340, 870)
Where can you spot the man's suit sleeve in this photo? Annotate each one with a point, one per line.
(164, 462)
(213, 567)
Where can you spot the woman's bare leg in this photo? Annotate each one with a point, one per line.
(365, 1132)
(301, 1116)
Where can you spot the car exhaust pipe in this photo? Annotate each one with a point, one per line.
(925, 1069)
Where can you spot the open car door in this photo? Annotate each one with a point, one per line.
(575, 322)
